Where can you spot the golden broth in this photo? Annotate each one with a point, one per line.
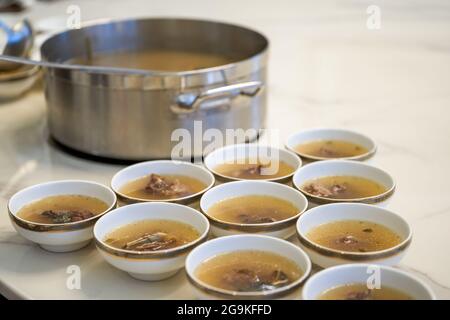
(354, 236)
(248, 271)
(152, 235)
(162, 187)
(331, 149)
(253, 209)
(156, 59)
(343, 187)
(252, 169)
(62, 209)
(357, 291)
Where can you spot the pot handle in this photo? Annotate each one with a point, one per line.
(190, 102)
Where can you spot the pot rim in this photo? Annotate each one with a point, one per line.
(152, 79)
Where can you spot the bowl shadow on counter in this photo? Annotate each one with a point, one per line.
(19, 260)
(103, 281)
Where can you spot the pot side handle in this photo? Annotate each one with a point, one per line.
(190, 102)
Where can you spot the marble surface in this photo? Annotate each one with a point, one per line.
(326, 69)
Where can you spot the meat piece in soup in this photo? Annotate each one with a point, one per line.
(331, 149)
(162, 187)
(359, 291)
(62, 209)
(254, 169)
(248, 271)
(252, 209)
(354, 236)
(343, 187)
(152, 235)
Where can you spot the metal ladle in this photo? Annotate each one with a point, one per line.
(19, 43)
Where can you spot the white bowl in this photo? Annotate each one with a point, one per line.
(280, 229)
(359, 273)
(326, 257)
(62, 237)
(327, 168)
(229, 244)
(233, 153)
(149, 265)
(162, 167)
(316, 134)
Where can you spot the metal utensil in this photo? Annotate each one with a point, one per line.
(19, 43)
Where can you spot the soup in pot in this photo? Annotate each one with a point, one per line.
(155, 59)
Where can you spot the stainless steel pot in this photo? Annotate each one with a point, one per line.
(131, 114)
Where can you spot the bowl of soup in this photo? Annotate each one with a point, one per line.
(343, 233)
(252, 162)
(259, 207)
(329, 143)
(344, 181)
(59, 216)
(163, 181)
(365, 282)
(247, 267)
(150, 240)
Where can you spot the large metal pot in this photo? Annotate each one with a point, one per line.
(131, 114)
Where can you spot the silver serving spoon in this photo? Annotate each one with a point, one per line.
(19, 43)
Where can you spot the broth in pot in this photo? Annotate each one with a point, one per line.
(155, 59)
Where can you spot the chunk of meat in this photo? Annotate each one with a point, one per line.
(152, 242)
(322, 191)
(327, 152)
(347, 240)
(360, 295)
(66, 216)
(242, 280)
(165, 187)
(254, 219)
(252, 170)
(248, 280)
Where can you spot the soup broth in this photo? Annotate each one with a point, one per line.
(343, 187)
(62, 209)
(253, 209)
(253, 169)
(354, 236)
(331, 149)
(359, 291)
(248, 271)
(156, 59)
(159, 187)
(152, 235)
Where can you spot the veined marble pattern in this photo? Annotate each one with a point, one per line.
(326, 69)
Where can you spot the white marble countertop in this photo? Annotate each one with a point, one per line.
(326, 69)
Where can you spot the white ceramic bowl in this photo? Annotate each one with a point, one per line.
(234, 153)
(317, 134)
(359, 273)
(149, 265)
(326, 257)
(162, 167)
(280, 229)
(62, 237)
(326, 168)
(229, 244)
